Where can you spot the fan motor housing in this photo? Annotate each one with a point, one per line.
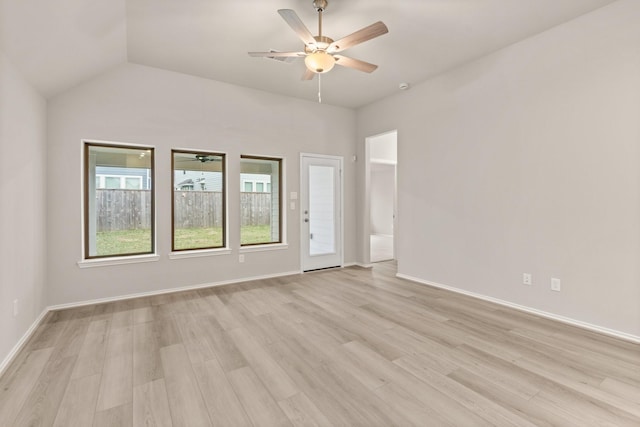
(322, 43)
(320, 5)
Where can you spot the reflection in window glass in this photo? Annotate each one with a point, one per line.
(260, 220)
(118, 214)
(112, 182)
(198, 200)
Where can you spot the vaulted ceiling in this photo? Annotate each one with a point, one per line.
(59, 44)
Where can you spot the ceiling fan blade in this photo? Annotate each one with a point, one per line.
(308, 74)
(277, 54)
(298, 26)
(356, 64)
(360, 36)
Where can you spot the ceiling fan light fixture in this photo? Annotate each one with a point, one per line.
(319, 61)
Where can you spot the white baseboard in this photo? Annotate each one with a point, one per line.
(357, 264)
(16, 348)
(168, 291)
(567, 320)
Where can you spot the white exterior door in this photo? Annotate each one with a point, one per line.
(321, 209)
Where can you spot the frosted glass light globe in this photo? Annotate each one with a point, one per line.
(319, 61)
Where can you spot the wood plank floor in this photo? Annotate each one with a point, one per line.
(349, 347)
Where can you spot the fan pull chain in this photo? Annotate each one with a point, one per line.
(319, 88)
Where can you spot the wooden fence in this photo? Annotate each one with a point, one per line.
(123, 209)
(255, 209)
(131, 209)
(192, 209)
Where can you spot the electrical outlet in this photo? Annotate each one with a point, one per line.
(526, 279)
(555, 284)
(241, 258)
(15, 307)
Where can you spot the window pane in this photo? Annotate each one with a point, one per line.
(248, 186)
(259, 187)
(321, 210)
(133, 183)
(260, 220)
(112, 182)
(118, 221)
(198, 200)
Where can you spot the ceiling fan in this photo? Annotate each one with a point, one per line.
(320, 52)
(203, 158)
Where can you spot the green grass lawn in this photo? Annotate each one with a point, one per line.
(252, 234)
(139, 241)
(198, 238)
(123, 242)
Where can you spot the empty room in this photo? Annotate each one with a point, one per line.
(319, 213)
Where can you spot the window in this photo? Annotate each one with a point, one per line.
(110, 181)
(198, 200)
(118, 208)
(261, 220)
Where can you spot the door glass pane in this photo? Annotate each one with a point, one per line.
(321, 210)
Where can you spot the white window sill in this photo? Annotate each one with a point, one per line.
(104, 262)
(262, 248)
(196, 253)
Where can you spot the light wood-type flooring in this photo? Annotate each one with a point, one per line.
(346, 347)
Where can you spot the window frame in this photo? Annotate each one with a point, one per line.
(224, 200)
(87, 144)
(281, 198)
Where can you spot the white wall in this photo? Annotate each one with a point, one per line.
(142, 105)
(529, 160)
(384, 147)
(22, 195)
(382, 185)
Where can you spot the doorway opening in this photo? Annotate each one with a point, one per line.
(382, 159)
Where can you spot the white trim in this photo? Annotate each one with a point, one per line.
(262, 248)
(357, 264)
(383, 161)
(322, 156)
(562, 319)
(197, 253)
(16, 348)
(168, 291)
(103, 262)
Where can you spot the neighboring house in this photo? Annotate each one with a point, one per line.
(186, 180)
(255, 183)
(122, 178)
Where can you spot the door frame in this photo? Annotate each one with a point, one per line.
(303, 239)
